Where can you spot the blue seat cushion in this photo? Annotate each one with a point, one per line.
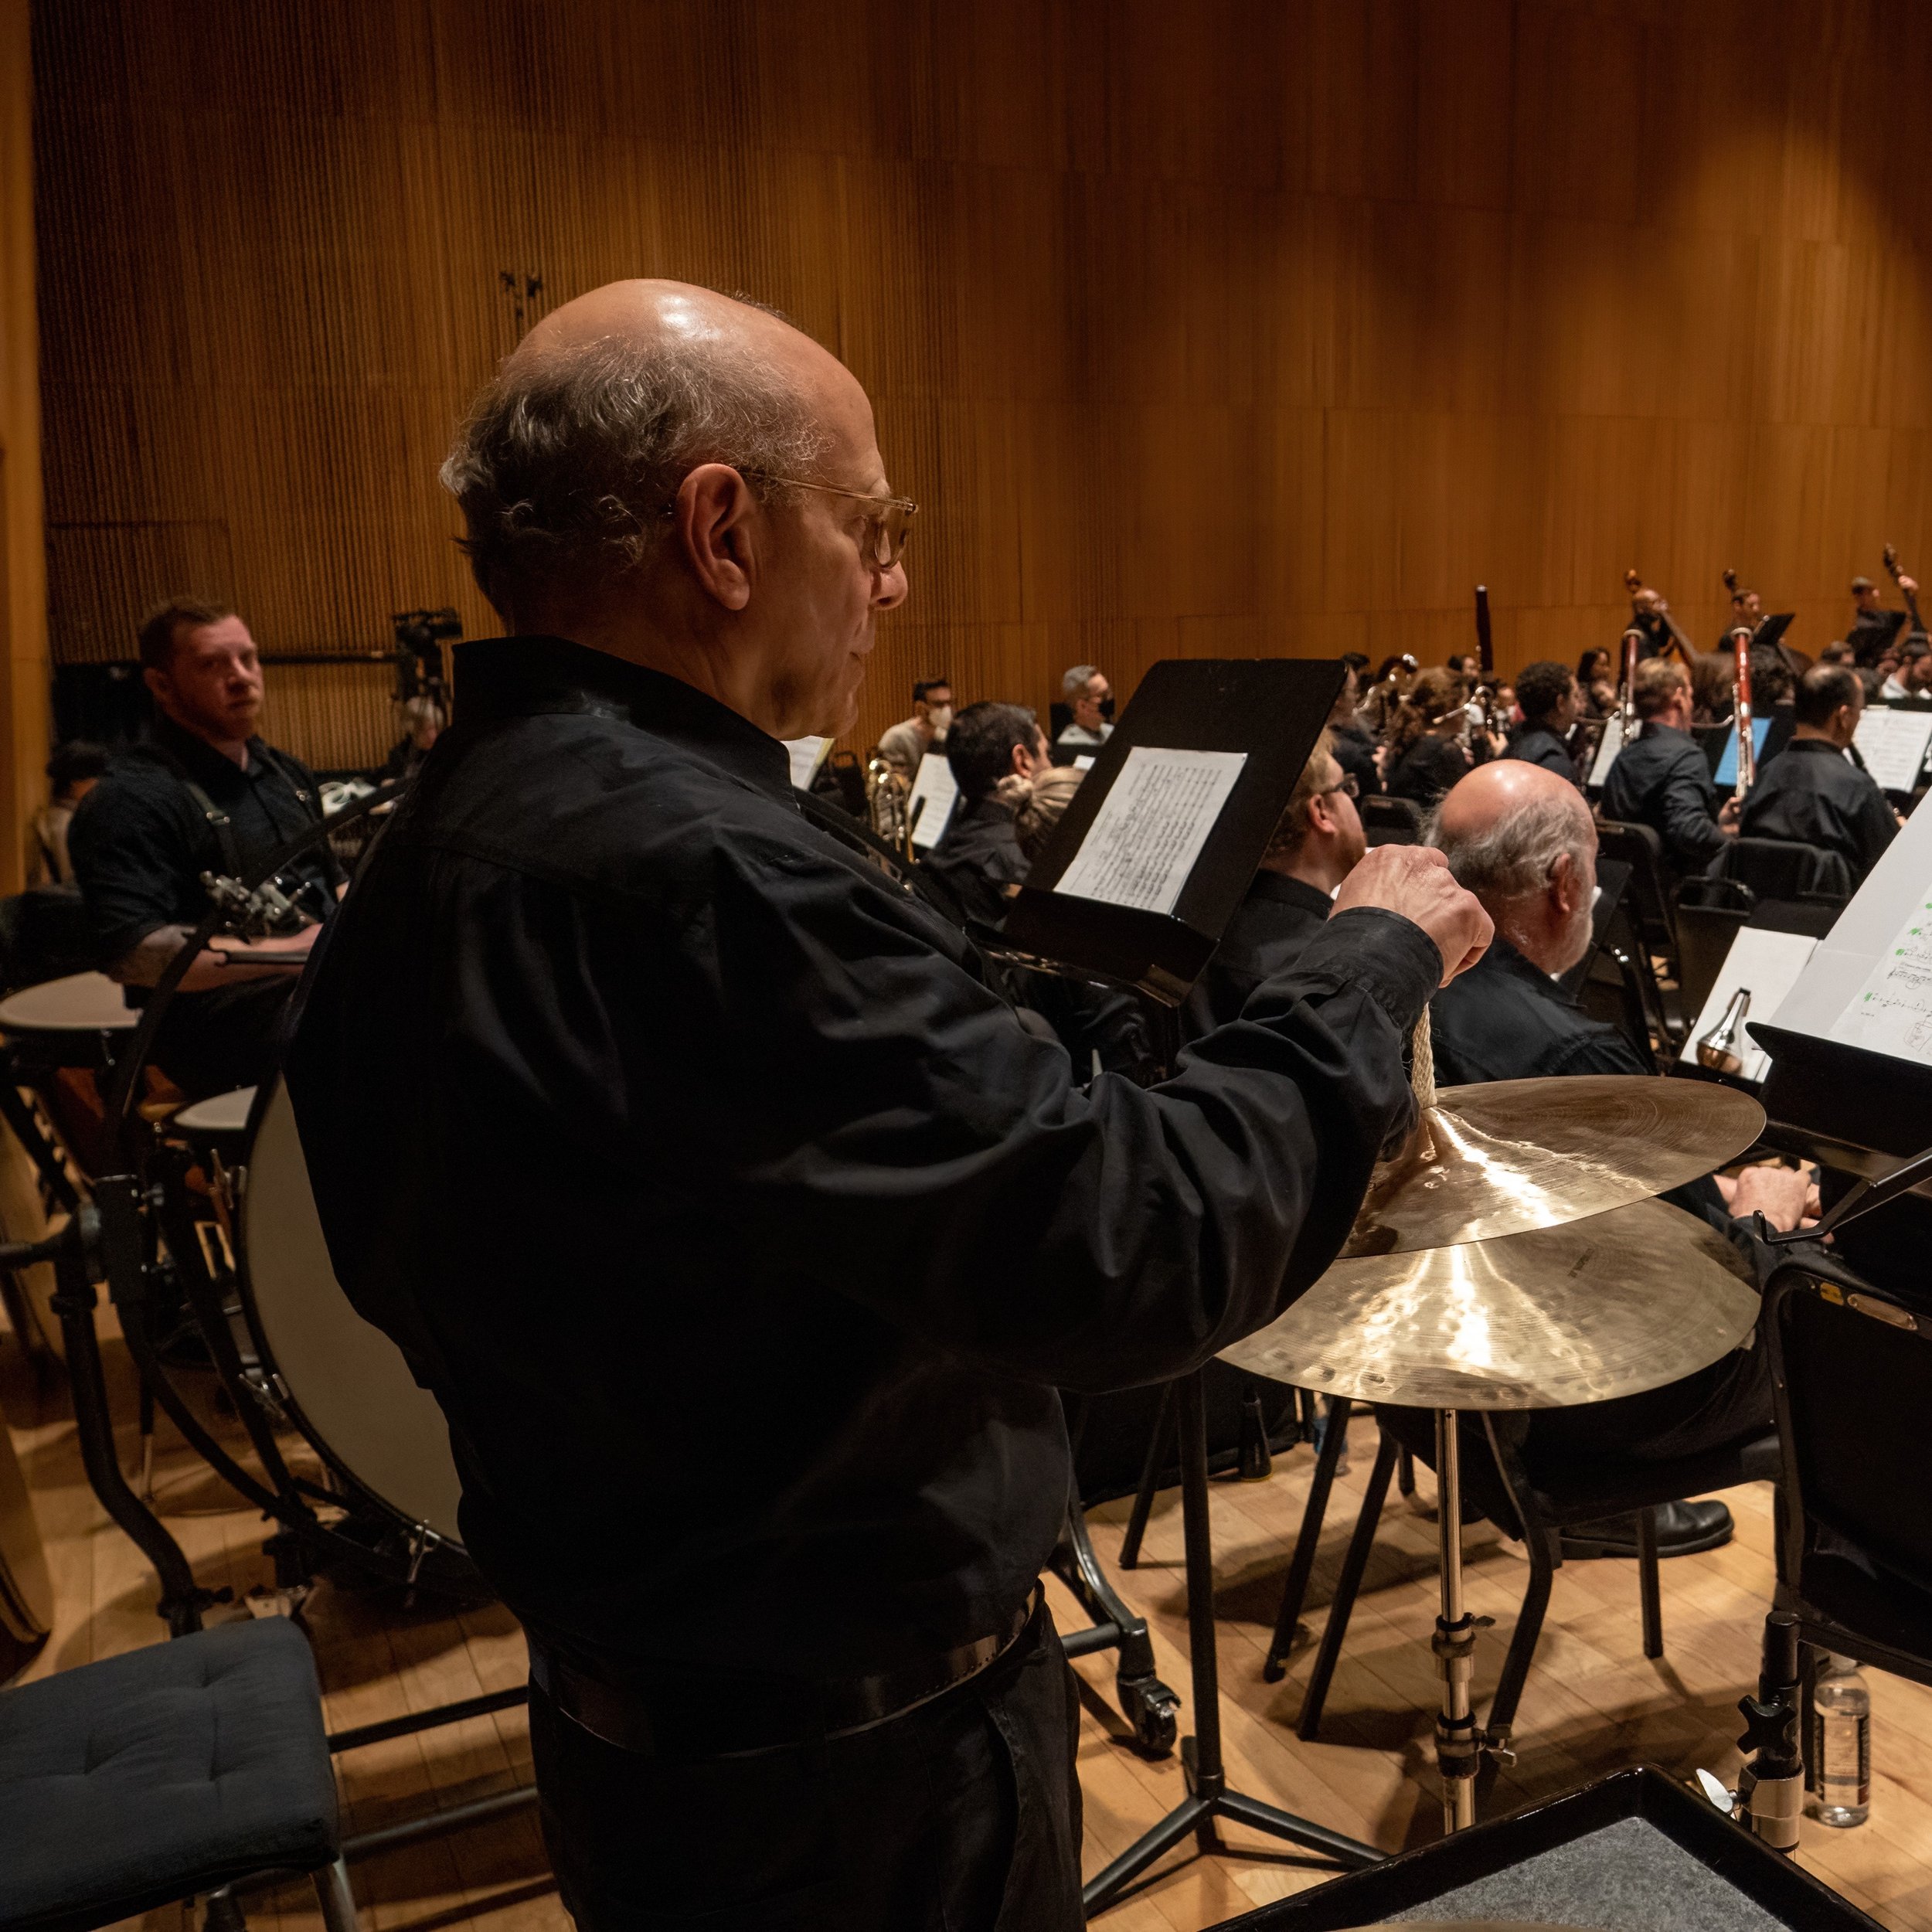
(126, 1785)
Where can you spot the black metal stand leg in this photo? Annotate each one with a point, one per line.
(1256, 1462)
(1522, 1643)
(1347, 1586)
(1335, 1439)
(1209, 1798)
(1647, 1583)
(333, 1894)
(181, 1600)
(1145, 1702)
(145, 1412)
(1150, 1480)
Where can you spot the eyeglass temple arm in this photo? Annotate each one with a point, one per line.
(1861, 1199)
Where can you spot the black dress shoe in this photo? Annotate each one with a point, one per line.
(1682, 1529)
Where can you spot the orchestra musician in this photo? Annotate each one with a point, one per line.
(1649, 625)
(1317, 842)
(1547, 696)
(1429, 741)
(1661, 779)
(1913, 676)
(1522, 840)
(903, 745)
(1596, 682)
(978, 860)
(1812, 792)
(685, 1065)
(1353, 747)
(1747, 612)
(203, 794)
(1089, 698)
(1873, 627)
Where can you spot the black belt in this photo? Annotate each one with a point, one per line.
(691, 1716)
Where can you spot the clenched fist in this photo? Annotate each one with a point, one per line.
(1415, 881)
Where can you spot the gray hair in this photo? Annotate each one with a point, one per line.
(1078, 678)
(1517, 853)
(565, 468)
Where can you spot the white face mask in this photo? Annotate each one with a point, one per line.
(939, 716)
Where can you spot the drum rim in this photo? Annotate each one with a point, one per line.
(285, 1396)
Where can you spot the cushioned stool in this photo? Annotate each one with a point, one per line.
(166, 1773)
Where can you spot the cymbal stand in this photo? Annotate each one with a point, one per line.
(1210, 1799)
(1459, 1744)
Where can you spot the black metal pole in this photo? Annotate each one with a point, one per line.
(1208, 1798)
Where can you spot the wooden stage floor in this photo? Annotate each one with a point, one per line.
(1592, 1703)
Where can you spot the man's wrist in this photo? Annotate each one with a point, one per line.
(1389, 957)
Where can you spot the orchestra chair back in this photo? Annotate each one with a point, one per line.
(164, 1775)
(1851, 1366)
(1710, 914)
(1532, 1503)
(1784, 869)
(1649, 898)
(1389, 821)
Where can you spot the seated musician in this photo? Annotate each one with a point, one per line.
(1873, 627)
(1662, 780)
(979, 860)
(1350, 741)
(203, 794)
(1912, 678)
(1811, 793)
(903, 745)
(423, 721)
(610, 1021)
(1747, 612)
(1522, 839)
(1547, 696)
(1428, 744)
(1317, 843)
(1086, 693)
(1596, 683)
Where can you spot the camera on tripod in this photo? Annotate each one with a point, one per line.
(422, 632)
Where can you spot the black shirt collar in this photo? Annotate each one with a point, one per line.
(1297, 893)
(1817, 748)
(1503, 957)
(208, 767)
(499, 678)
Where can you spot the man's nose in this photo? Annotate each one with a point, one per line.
(890, 589)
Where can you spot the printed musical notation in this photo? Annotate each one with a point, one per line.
(1892, 1012)
(1152, 826)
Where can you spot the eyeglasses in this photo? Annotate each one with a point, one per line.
(1350, 787)
(886, 525)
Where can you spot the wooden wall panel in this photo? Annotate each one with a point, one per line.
(1250, 326)
(23, 594)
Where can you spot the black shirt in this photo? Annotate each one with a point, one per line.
(140, 841)
(1663, 781)
(1871, 631)
(1354, 752)
(1813, 794)
(978, 857)
(741, 1233)
(1429, 767)
(1506, 1019)
(1536, 744)
(1270, 931)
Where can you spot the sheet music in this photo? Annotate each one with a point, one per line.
(929, 803)
(1893, 1011)
(1608, 747)
(1893, 745)
(805, 754)
(1767, 963)
(1152, 826)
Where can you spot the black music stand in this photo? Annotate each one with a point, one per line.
(1271, 710)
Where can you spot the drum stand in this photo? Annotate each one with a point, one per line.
(1209, 1798)
(1460, 1745)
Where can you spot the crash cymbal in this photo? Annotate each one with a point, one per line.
(1510, 1156)
(1611, 1306)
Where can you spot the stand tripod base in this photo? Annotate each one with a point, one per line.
(1208, 1799)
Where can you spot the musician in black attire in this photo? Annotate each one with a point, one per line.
(1873, 627)
(1428, 741)
(979, 861)
(1352, 743)
(1662, 780)
(1317, 843)
(1522, 840)
(1546, 696)
(203, 794)
(685, 1113)
(1811, 793)
(1650, 622)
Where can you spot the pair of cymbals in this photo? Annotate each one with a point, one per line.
(1512, 1257)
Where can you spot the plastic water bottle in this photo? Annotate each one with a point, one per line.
(1841, 1752)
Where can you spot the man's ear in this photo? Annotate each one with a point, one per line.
(715, 517)
(159, 682)
(1321, 817)
(1565, 883)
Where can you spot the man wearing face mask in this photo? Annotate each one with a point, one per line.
(904, 744)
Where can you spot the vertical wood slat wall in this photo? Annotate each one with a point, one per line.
(23, 626)
(1245, 327)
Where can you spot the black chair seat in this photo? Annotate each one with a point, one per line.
(132, 1783)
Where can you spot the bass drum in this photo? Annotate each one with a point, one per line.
(347, 1387)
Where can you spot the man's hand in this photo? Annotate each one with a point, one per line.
(1785, 1196)
(1416, 882)
(1728, 814)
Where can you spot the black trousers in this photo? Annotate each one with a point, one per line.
(962, 1816)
